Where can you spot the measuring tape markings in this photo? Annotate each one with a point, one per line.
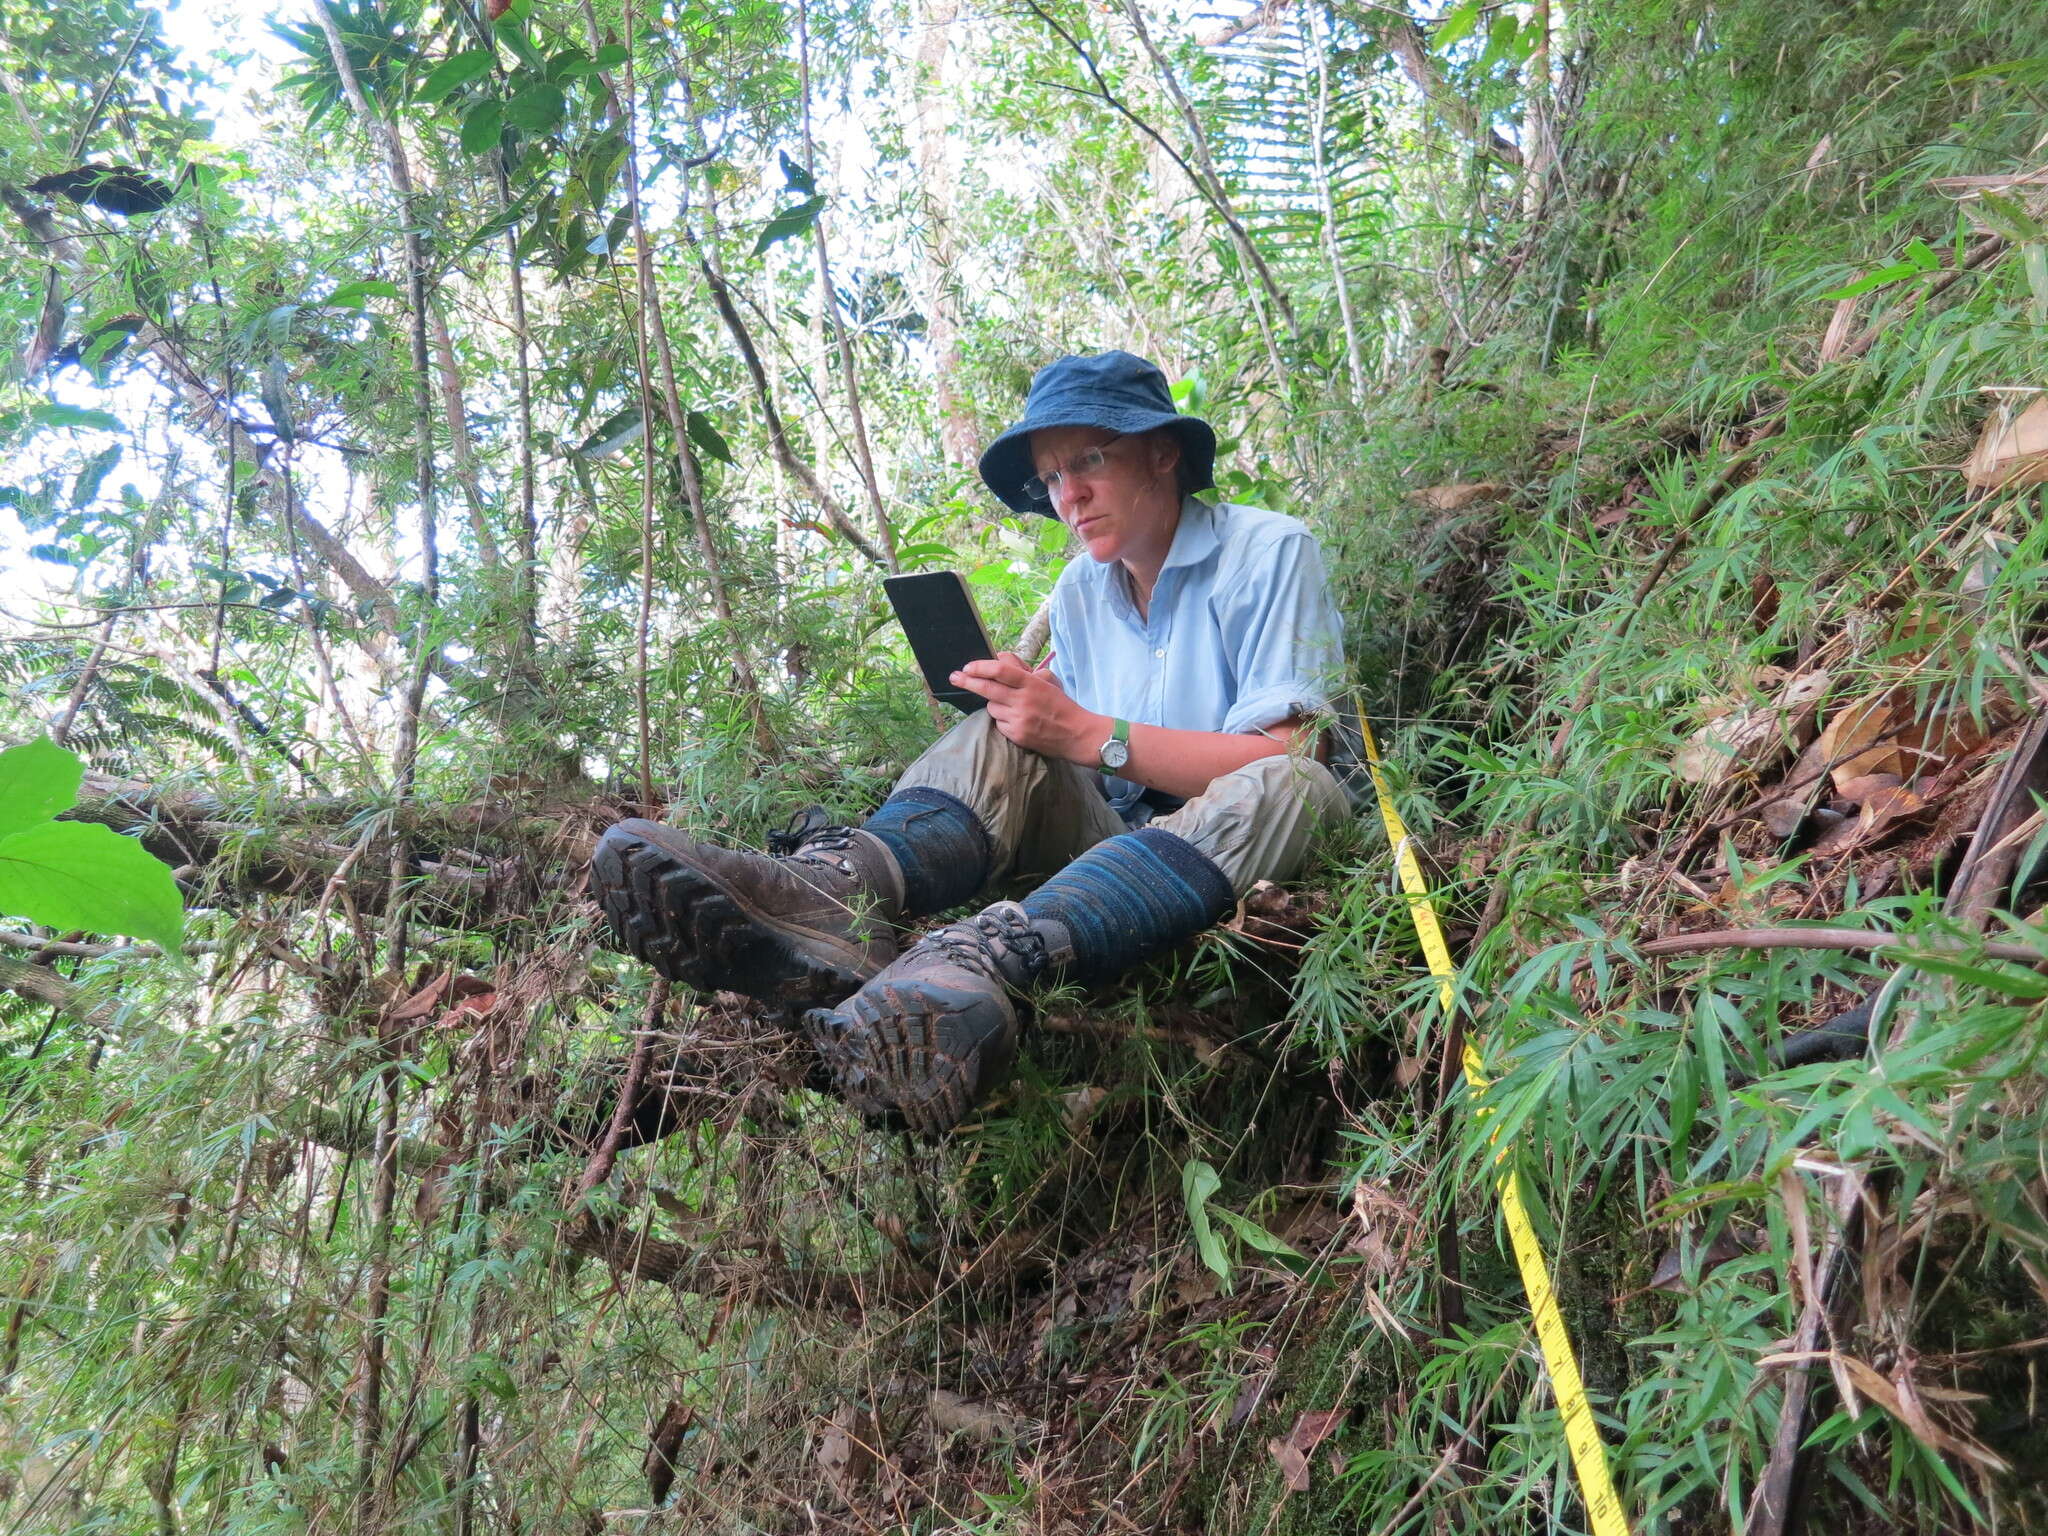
(1581, 1433)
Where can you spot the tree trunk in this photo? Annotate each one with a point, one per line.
(938, 172)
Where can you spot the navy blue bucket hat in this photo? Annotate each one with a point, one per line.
(1111, 390)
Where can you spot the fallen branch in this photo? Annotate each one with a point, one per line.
(1827, 938)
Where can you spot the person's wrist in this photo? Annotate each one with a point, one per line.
(1089, 735)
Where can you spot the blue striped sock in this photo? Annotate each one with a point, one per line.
(940, 845)
(1130, 897)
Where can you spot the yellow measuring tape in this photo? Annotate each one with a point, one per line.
(1581, 1434)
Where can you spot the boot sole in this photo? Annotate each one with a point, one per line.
(671, 915)
(916, 1057)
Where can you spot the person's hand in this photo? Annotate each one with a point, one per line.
(1027, 704)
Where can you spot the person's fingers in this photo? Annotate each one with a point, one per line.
(1010, 671)
(987, 689)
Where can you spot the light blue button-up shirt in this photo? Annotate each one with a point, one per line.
(1241, 632)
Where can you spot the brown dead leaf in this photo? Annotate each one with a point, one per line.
(2012, 450)
(1253, 1392)
(664, 1443)
(1293, 1465)
(1079, 1106)
(1857, 741)
(1754, 737)
(1897, 1396)
(1837, 335)
(1311, 1429)
(1881, 810)
(953, 1414)
(1458, 496)
(421, 1003)
(1864, 786)
(846, 1450)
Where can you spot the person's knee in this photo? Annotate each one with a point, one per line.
(1289, 777)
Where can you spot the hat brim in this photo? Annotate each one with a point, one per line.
(1006, 463)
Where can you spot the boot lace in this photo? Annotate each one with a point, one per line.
(809, 826)
(1000, 939)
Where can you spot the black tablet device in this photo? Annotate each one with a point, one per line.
(937, 612)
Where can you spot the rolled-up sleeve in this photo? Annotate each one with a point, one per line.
(1284, 635)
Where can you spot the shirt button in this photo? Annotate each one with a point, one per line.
(1160, 654)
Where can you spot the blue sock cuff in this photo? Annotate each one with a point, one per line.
(940, 845)
(1130, 897)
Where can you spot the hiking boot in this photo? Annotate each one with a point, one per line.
(794, 931)
(924, 1041)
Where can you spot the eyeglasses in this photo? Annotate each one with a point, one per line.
(1087, 463)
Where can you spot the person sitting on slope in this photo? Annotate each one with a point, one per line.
(1168, 757)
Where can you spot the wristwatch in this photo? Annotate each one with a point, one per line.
(1115, 752)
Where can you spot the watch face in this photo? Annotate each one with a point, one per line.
(1115, 753)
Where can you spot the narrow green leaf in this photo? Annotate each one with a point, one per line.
(707, 438)
(37, 780)
(615, 433)
(75, 874)
(2008, 983)
(1870, 280)
(482, 125)
(86, 488)
(51, 414)
(1198, 1181)
(352, 295)
(453, 73)
(276, 393)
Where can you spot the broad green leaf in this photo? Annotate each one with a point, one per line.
(37, 780)
(791, 221)
(482, 125)
(1457, 26)
(611, 55)
(537, 109)
(1198, 1181)
(50, 414)
(452, 73)
(571, 64)
(76, 874)
(511, 31)
(1255, 1235)
(707, 438)
(352, 295)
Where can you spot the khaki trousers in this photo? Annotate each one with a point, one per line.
(1253, 824)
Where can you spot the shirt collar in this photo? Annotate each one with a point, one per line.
(1196, 539)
